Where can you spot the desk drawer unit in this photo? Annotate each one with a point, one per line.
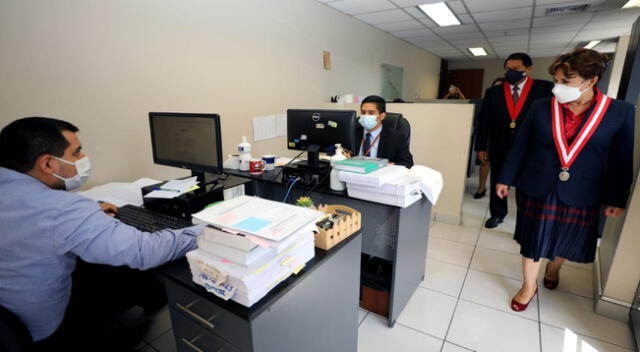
(208, 316)
(190, 337)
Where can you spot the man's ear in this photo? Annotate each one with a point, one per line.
(383, 115)
(529, 69)
(43, 164)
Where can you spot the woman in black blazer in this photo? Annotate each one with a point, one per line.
(573, 153)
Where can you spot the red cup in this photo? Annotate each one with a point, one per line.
(256, 166)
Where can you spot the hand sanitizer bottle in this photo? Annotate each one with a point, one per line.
(335, 182)
(244, 149)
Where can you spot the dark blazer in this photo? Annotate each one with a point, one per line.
(601, 174)
(493, 122)
(392, 145)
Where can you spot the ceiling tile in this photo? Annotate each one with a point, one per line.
(541, 9)
(376, 18)
(469, 35)
(456, 29)
(505, 25)
(511, 14)
(562, 20)
(400, 26)
(355, 7)
(457, 6)
(465, 18)
(406, 3)
(494, 5)
(414, 33)
(428, 22)
(557, 29)
(415, 12)
(503, 33)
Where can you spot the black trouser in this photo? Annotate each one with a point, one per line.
(497, 207)
(99, 294)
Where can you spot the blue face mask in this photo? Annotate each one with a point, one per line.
(513, 76)
(368, 121)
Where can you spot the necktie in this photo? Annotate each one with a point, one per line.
(366, 145)
(515, 95)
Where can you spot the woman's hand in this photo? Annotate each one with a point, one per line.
(502, 190)
(612, 211)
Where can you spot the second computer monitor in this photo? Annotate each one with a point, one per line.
(321, 129)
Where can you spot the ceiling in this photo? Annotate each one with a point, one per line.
(502, 27)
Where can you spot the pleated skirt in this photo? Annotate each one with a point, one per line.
(548, 228)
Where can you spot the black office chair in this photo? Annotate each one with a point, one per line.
(397, 122)
(14, 336)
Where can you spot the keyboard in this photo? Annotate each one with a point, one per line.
(149, 220)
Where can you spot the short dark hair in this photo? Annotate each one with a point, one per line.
(526, 59)
(23, 141)
(587, 63)
(379, 101)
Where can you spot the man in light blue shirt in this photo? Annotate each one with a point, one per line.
(45, 228)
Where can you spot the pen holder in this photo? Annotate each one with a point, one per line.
(349, 222)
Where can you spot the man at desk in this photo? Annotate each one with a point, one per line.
(45, 229)
(377, 141)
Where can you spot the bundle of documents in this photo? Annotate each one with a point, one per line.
(395, 185)
(360, 164)
(174, 188)
(250, 245)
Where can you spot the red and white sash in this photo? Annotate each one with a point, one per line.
(514, 109)
(566, 153)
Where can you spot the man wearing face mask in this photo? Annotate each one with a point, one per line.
(379, 142)
(572, 158)
(46, 229)
(504, 109)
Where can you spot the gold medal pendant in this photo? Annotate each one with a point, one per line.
(564, 175)
(512, 125)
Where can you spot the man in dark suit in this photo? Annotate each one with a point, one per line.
(504, 109)
(379, 142)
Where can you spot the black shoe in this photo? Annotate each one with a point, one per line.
(492, 222)
(479, 195)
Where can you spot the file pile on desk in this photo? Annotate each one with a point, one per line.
(394, 185)
(250, 245)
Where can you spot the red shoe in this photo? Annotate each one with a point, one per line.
(519, 307)
(549, 284)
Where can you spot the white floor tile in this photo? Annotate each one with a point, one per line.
(508, 225)
(429, 312)
(361, 315)
(583, 266)
(576, 313)
(487, 330)
(375, 336)
(572, 280)
(496, 292)
(564, 340)
(449, 347)
(473, 208)
(457, 233)
(450, 252)
(497, 262)
(499, 241)
(472, 221)
(443, 277)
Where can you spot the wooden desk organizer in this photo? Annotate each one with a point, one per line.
(350, 223)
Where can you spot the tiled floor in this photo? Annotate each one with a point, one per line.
(463, 304)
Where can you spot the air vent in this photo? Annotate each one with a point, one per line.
(565, 10)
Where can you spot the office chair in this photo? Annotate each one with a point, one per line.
(14, 336)
(397, 122)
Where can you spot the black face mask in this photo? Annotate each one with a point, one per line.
(514, 76)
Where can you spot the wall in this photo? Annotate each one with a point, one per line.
(103, 65)
(617, 65)
(494, 68)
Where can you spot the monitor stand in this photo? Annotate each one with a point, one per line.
(311, 172)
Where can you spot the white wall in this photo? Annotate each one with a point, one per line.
(103, 65)
(495, 68)
(617, 65)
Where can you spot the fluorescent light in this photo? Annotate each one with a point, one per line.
(631, 3)
(440, 13)
(592, 44)
(478, 51)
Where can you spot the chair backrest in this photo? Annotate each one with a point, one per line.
(395, 121)
(14, 336)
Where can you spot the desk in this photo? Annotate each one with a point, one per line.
(398, 235)
(315, 310)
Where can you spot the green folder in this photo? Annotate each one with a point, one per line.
(360, 166)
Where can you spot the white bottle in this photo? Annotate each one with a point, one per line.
(244, 149)
(335, 182)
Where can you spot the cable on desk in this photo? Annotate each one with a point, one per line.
(289, 190)
(275, 179)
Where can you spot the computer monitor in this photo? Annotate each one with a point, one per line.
(319, 130)
(188, 141)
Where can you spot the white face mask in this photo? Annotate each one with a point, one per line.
(83, 169)
(565, 93)
(368, 121)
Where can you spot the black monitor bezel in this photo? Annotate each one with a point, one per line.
(186, 165)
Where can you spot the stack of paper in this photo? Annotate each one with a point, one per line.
(250, 245)
(394, 185)
(174, 188)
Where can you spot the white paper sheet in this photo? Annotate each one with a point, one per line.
(117, 193)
